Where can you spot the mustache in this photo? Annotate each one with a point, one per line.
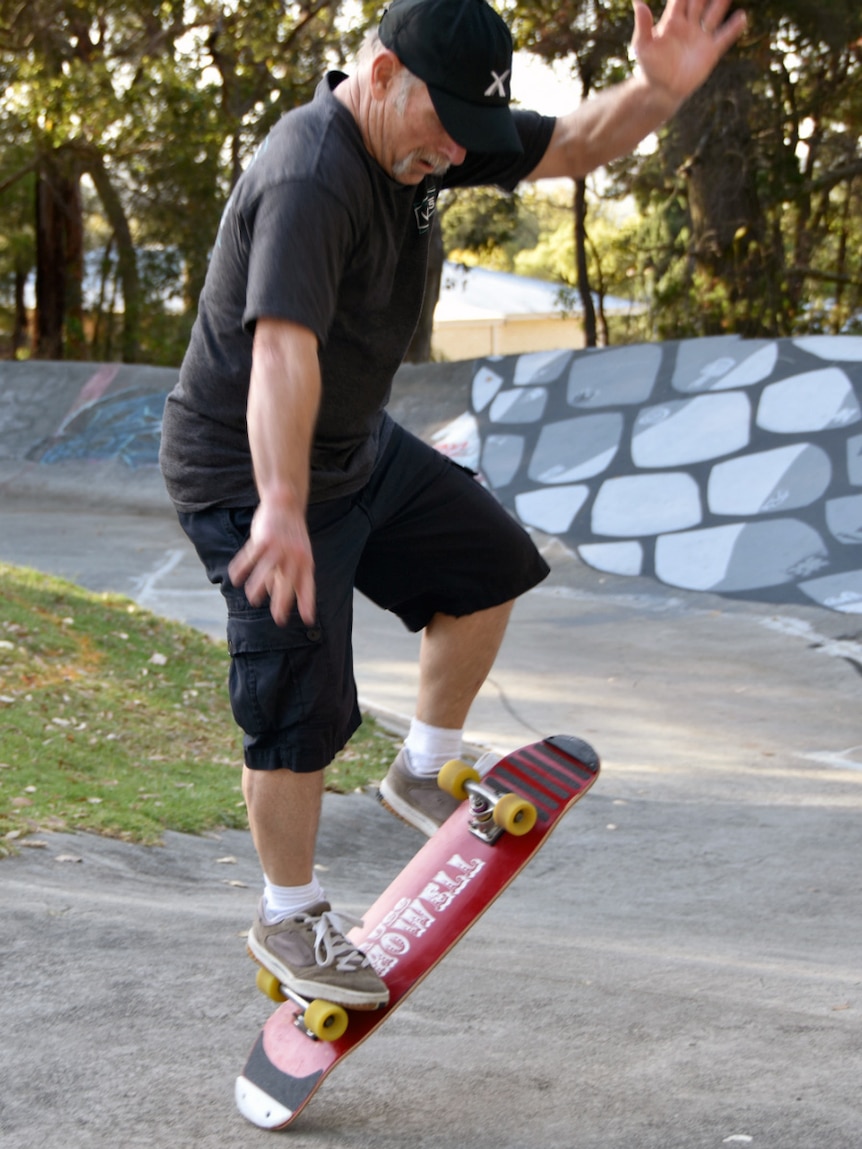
(438, 164)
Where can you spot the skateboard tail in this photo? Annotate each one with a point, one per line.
(548, 774)
(267, 1097)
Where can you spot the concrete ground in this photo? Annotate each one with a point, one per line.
(681, 967)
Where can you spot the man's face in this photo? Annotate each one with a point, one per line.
(417, 143)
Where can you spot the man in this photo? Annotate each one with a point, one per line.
(288, 476)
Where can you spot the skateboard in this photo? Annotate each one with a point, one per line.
(502, 821)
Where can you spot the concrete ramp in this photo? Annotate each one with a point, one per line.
(720, 465)
(83, 432)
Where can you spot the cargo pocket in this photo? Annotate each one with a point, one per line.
(271, 672)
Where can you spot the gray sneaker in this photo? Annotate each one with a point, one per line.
(310, 955)
(417, 801)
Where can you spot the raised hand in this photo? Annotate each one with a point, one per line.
(679, 52)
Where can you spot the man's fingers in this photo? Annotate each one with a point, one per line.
(289, 588)
(305, 597)
(730, 31)
(241, 565)
(283, 583)
(281, 598)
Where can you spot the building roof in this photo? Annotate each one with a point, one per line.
(473, 293)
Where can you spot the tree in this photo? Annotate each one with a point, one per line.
(749, 204)
(158, 104)
(17, 240)
(594, 36)
(767, 157)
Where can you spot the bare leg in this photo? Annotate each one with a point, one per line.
(284, 808)
(455, 658)
(284, 813)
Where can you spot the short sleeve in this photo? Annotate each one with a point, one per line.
(506, 170)
(300, 236)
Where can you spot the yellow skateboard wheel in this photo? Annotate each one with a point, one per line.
(269, 985)
(325, 1020)
(453, 776)
(515, 815)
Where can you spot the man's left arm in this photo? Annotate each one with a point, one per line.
(675, 56)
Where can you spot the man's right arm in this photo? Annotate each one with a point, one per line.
(284, 398)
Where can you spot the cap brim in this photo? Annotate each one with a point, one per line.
(478, 129)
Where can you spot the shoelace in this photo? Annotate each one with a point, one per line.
(331, 947)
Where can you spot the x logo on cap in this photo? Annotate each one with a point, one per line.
(496, 87)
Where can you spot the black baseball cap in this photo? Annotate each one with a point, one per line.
(462, 50)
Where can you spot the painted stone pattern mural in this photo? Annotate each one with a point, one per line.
(724, 465)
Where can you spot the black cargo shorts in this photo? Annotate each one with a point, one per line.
(422, 537)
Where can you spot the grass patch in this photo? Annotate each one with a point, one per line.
(116, 721)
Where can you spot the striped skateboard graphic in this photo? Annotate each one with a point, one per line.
(437, 897)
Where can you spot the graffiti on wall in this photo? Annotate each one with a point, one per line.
(124, 425)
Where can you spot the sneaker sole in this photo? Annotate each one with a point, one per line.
(406, 813)
(350, 999)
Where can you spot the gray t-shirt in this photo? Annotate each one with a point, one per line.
(318, 234)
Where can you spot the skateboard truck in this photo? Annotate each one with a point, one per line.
(492, 812)
(318, 1019)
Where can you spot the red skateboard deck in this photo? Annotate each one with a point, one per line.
(436, 898)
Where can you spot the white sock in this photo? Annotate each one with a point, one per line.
(430, 747)
(280, 902)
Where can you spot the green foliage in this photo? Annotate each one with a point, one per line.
(161, 104)
(488, 227)
(594, 33)
(750, 203)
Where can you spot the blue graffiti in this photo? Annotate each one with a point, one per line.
(120, 426)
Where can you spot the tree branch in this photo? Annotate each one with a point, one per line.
(19, 175)
(827, 276)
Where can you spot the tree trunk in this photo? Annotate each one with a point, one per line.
(714, 151)
(19, 331)
(59, 259)
(127, 263)
(75, 339)
(590, 329)
(50, 265)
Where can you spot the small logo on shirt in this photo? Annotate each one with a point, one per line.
(425, 208)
